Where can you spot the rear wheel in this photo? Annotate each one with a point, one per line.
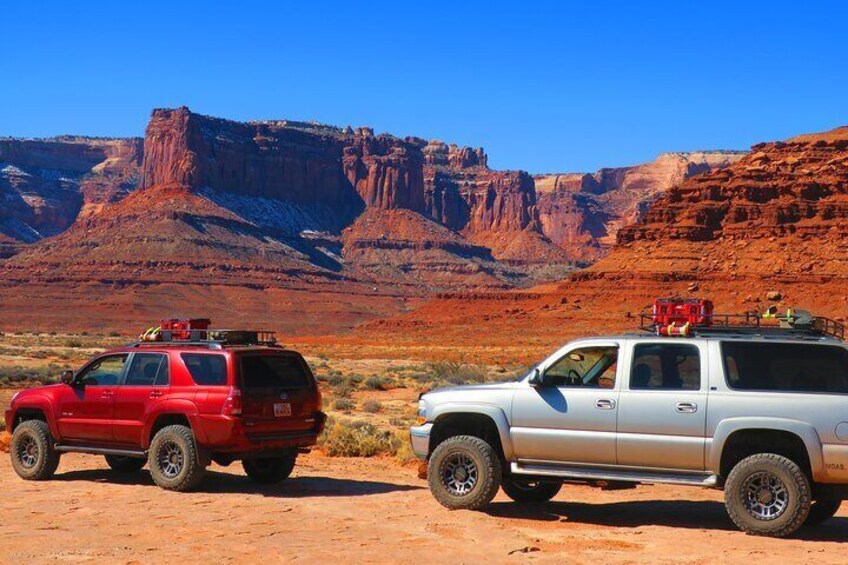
(123, 464)
(524, 490)
(174, 460)
(33, 455)
(767, 495)
(464, 473)
(269, 470)
(821, 511)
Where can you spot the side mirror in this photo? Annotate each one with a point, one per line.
(536, 380)
(67, 377)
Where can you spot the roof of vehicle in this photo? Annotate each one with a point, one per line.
(725, 336)
(200, 346)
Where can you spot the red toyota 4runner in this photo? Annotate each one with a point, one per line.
(175, 405)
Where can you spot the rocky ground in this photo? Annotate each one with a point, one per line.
(368, 511)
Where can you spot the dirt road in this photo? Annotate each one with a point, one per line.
(368, 511)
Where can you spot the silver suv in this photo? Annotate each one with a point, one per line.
(762, 416)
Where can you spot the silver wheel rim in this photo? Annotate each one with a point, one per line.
(459, 474)
(28, 452)
(170, 459)
(765, 496)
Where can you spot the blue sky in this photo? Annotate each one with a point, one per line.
(542, 86)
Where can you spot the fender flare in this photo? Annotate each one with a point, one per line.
(803, 430)
(177, 407)
(39, 402)
(495, 413)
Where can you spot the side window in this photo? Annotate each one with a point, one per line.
(592, 367)
(206, 368)
(790, 367)
(146, 368)
(105, 371)
(666, 366)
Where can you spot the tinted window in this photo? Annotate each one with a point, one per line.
(586, 367)
(206, 369)
(105, 371)
(666, 366)
(146, 368)
(266, 371)
(792, 367)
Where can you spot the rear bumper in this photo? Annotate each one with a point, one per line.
(227, 434)
(420, 438)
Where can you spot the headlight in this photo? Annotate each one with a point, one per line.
(422, 412)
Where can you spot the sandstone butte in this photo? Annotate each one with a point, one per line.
(776, 220)
(299, 226)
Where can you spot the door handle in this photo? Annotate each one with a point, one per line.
(107, 394)
(687, 407)
(156, 394)
(604, 404)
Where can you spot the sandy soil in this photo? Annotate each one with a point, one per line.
(368, 511)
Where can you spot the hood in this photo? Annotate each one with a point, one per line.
(509, 385)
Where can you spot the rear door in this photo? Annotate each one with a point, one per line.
(278, 390)
(145, 386)
(662, 410)
(86, 408)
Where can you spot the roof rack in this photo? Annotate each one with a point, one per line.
(210, 338)
(798, 324)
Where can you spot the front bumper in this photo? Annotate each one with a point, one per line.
(420, 438)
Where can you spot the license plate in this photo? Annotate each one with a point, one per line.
(282, 409)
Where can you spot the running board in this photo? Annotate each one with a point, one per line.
(609, 474)
(101, 451)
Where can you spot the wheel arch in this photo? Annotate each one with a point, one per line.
(171, 414)
(488, 423)
(738, 438)
(35, 408)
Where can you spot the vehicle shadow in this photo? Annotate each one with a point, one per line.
(700, 515)
(226, 483)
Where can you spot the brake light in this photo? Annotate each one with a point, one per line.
(232, 405)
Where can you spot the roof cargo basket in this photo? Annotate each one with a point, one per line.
(695, 317)
(197, 332)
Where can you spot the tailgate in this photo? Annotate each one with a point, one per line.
(278, 391)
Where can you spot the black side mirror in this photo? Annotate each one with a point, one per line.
(67, 377)
(536, 380)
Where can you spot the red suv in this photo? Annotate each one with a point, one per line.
(175, 405)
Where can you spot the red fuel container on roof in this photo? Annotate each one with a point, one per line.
(693, 311)
(187, 328)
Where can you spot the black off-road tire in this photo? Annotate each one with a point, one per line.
(33, 455)
(123, 464)
(821, 511)
(477, 458)
(269, 470)
(174, 460)
(741, 495)
(523, 490)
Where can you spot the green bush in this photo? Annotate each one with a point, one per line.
(456, 372)
(343, 390)
(73, 343)
(375, 383)
(372, 406)
(355, 438)
(29, 376)
(343, 404)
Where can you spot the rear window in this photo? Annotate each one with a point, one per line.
(273, 371)
(789, 367)
(206, 369)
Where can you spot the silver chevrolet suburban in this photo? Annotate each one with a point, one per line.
(762, 415)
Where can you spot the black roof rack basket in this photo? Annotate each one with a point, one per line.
(798, 323)
(213, 338)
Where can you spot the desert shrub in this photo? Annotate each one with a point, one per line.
(2, 425)
(73, 343)
(404, 453)
(114, 334)
(334, 379)
(343, 390)
(28, 376)
(372, 406)
(343, 404)
(456, 372)
(355, 438)
(375, 383)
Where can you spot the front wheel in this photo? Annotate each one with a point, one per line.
(33, 455)
(821, 511)
(269, 470)
(174, 460)
(767, 495)
(464, 473)
(524, 490)
(123, 464)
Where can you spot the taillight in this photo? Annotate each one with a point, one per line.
(232, 405)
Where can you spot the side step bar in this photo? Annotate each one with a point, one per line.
(101, 451)
(608, 474)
